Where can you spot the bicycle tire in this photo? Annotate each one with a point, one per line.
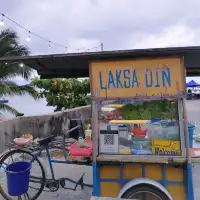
(10, 153)
(129, 194)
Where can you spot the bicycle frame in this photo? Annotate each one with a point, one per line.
(51, 161)
(51, 182)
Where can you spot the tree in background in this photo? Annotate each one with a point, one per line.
(64, 93)
(10, 46)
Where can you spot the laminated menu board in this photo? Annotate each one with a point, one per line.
(109, 139)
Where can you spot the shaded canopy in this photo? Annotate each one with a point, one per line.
(192, 84)
(76, 65)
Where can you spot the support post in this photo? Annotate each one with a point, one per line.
(188, 168)
(101, 46)
(94, 130)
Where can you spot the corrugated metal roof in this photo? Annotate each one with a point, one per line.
(74, 65)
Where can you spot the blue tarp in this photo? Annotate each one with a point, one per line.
(192, 84)
(3, 101)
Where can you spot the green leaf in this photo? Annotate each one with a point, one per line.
(10, 46)
(9, 109)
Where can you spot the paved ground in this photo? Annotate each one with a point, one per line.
(75, 172)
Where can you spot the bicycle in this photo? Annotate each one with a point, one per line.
(39, 178)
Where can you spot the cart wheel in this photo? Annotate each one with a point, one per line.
(147, 192)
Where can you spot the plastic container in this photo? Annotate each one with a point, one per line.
(76, 150)
(20, 141)
(191, 128)
(18, 178)
(88, 133)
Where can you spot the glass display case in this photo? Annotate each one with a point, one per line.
(139, 127)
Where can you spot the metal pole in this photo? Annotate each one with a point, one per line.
(181, 125)
(187, 140)
(101, 46)
(94, 130)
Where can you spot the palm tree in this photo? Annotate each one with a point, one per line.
(10, 46)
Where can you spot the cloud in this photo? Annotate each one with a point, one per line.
(126, 24)
(29, 106)
(175, 35)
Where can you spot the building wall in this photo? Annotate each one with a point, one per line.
(40, 126)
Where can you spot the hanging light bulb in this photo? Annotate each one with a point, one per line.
(29, 37)
(2, 21)
(49, 44)
(21, 64)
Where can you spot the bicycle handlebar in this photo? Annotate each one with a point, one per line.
(69, 131)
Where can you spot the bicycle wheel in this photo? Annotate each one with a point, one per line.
(36, 180)
(145, 192)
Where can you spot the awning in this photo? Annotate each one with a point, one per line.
(3, 101)
(74, 65)
(192, 84)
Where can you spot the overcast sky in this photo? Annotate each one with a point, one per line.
(83, 24)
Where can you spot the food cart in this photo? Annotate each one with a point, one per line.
(148, 94)
(126, 87)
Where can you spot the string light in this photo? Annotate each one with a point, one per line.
(21, 65)
(50, 42)
(29, 37)
(2, 20)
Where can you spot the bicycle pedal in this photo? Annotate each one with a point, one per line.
(62, 183)
(83, 175)
(80, 181)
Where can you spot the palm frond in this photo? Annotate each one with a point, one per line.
(27, 89)
(9, 109)
(11, 70)
(10, 88)
(9, 44)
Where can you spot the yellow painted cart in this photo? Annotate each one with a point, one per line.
(137, 157)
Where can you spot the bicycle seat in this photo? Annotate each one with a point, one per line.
(46, 140)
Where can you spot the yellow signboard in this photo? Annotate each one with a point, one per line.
(166, 147)
(137, 78)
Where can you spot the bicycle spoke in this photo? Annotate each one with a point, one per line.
(12, 158)
(36, 180)
(23, 156)
(26, 195)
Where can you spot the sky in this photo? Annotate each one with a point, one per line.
(84, 24)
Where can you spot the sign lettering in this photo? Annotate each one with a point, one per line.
(138, 78)
(166, 147)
